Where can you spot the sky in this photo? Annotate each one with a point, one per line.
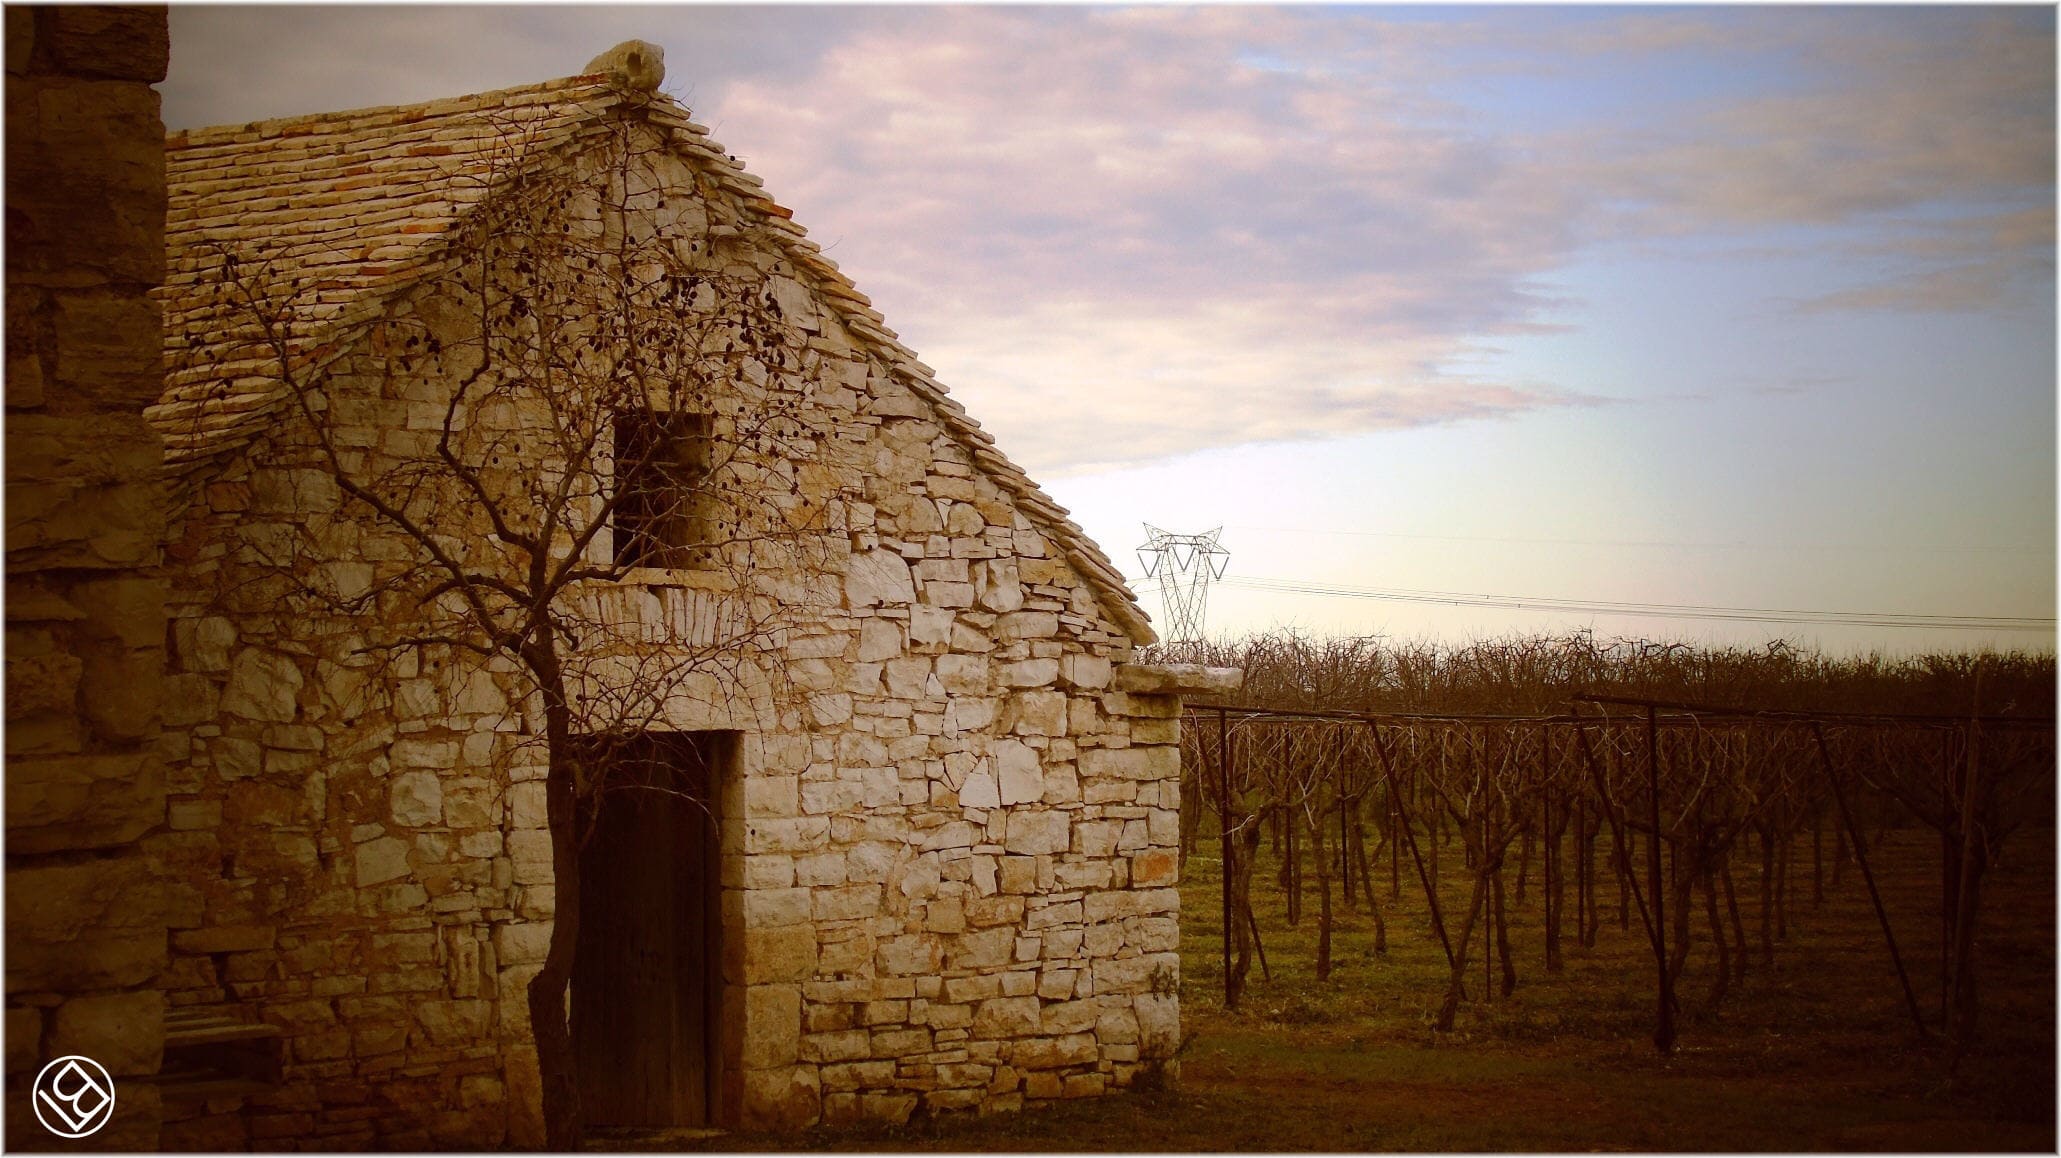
(1707, 307)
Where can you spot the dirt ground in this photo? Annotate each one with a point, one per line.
(1815, 1053)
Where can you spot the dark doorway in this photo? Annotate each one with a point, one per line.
(647, 979)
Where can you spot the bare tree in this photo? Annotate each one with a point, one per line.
(599, 388)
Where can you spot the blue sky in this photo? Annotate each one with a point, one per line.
(1745, 307)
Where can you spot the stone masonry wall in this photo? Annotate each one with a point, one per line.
(948, 849)
(85, 600)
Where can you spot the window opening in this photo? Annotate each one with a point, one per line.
(662, 465)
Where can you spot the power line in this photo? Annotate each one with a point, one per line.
(1656, 543)
(1654, 610)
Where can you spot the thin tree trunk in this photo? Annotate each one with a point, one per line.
(1191, 824)
(1739, 954)
(1683, 897)
(1503, 937)
(1782, 886)
(1555, 882)
(1968, 897)
(1592, 830)
(1723, 979)
(1395, 849)
(1624, 884)
(1457, 986)
(1767, 898)
(1437, 839)
(1818, 855)
(1323, 863)
(1291, 870)
(1523, 865)
(1962, 1015)
(1366, 860)
(563, 1127)
(1244, 927)
(1367, 889)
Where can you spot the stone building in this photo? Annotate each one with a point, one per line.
(86, 937)
(916, 845)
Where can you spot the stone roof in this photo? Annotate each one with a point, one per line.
(344, 211)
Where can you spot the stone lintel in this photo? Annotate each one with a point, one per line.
(1177, 679)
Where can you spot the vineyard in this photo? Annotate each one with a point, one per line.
(1640, 801)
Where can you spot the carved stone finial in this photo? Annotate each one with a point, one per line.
(637, 65)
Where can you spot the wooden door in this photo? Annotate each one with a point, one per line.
(647, 977)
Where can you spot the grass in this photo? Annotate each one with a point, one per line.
(1816, 1053)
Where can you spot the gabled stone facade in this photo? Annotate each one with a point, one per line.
(948, 811)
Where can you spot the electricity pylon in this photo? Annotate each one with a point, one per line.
(1184, 566)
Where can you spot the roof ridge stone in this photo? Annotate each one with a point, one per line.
(210, 135)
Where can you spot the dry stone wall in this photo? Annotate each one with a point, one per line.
(85, 599)
(948, 845)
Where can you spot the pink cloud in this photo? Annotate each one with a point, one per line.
(1176, 229)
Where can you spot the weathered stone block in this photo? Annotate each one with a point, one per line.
(96, 924)
(202, 645)
(454, 1023)
(930, 626)
(120, 43)
(772, 1026)
(1151, 763)
(1045, 1053)
(1037, 713)
(124, 1032)
(896, 1108)
(97, 337)
(1178, 679)
(522, 943)
(879, 639)
(1027, 625)
(1084, 672)
(765, 907)
(850, 902)
(784, 954)
(82, 802)
(1158, 866)
(1083, 1085)
(236, 758)
(263, 685)
(24, 1040)
(876, 578)
(381, 860)
(997, 585)
(1018, 874)
(980, 789)
(1037, 833)
(1019, 775)
(471, 802)
(987, 949)
(1159, 1025)
(1006, 1017)
(226, 939)
(417, 799)
(1028, 673)
(915, 953)
(963, 675)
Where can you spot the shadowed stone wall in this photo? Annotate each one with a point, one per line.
(86, 931)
